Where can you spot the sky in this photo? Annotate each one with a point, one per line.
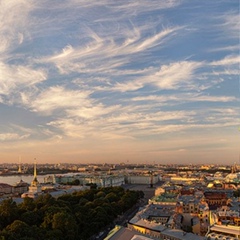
(119, 81)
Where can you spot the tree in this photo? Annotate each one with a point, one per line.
(48, 216)
(18, 229)
(66, 223)
(45, 200)
(28, 204)
(8, 212)
(112, 197)
(31, 218)
(55, 234)
(80, 215)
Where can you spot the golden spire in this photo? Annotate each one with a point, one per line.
(35, 169)
(19, 165)
(35, 181)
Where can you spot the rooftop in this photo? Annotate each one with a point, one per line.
(234, 230)
(177, 233)
(147, 224)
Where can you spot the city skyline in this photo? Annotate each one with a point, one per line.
(134, 82)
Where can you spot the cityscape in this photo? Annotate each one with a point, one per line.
(120, 120)
(174, 201)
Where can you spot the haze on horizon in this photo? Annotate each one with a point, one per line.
(119, 81)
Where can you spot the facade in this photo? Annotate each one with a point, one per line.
(105, 181)
(159, 231)
(203, 216)
(226, 215)
(20, 187)
(99, 180)
(215, 199)
(142, 179)
(17, 189)
(5, 189)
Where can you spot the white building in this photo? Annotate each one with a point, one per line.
(142, 179)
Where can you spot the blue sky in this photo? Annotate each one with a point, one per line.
(119, 81)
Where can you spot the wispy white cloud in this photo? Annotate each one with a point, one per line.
(12, 137)
(13, 24)
(106, 55)
(228, 60)
(128, 86)
(93, 111)
(214, 99)
(232, 48)
(58, 97)
(170, 76)
(157, 98)
(121, 125)
(186, 98)
(226, 71)
(154, 40)
(13, 77)
(130, 8)
(231, 23)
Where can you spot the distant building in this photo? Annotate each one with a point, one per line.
(142, 179)
(164, 199)
(99, 180)
(20, 187)
(233, 177)
(50, 179)
(5, 189)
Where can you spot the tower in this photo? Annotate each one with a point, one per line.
(35, 181)
(35, 187)
(19, 166)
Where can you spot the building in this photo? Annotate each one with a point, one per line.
(35, 188)
(20, 187)
(223, 232)
(216, 199)
(123, 233)
(164, 199)
(227, 216)
(142, 179)
(158, 231)
(5, 189)
(99, 180)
